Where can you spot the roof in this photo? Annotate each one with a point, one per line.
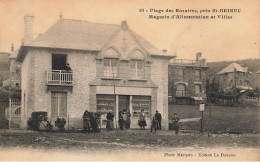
(232, 67)
(84, 35)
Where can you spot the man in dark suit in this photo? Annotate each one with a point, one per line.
(159, 119)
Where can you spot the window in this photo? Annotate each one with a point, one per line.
(181, 87)
(198, 73)
(137, 69)
(59, 61)
(180, 72)
(231, 83)
(17, 111)
(110, 67)
(197, 88)
(58, 104)
(139, 103)
(181, 90)
(105, 103)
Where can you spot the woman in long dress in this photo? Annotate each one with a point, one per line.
(142, 121)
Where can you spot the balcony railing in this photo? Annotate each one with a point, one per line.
(188, 62)
(60, 77)
(180, 93)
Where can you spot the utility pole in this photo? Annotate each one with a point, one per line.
(114, 97)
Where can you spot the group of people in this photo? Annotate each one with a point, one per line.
(155, 124)
(90, 121)
(124, 120)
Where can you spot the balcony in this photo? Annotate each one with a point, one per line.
(60, 77)
(185, 62)
(179, 93)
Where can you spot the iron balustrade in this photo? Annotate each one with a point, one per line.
(59, 77)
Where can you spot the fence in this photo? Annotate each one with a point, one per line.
(14, 114)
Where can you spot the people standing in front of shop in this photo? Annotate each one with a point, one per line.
(120, 120)
(86, 121)
(175, 121)
(110, 120)
(159, 119)
(142, 121)
(154, 123)
(128, 120)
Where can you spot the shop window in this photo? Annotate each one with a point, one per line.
(105, 103)
(198, 73)
(137, 69)
(197, 88)
(110, 67)
(58, 104)
(139, 103)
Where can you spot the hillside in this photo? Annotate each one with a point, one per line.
(252, 64)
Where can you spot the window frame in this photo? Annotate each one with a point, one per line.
(59, 96)
(135, 71)
(196, 76)
(109, 72)
(178, 74)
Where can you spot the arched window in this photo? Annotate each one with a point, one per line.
(180, 89)
(111, 63)
(17, 111)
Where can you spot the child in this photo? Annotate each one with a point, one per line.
(154, 123)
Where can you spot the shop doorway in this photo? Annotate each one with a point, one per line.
(123, 103)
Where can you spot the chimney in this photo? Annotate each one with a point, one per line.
(12, 47)
(28, 28)
(198, 56)
(124, 25)
(204, 62)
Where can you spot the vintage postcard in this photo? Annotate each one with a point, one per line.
(132, 80)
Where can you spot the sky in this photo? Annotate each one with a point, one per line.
(217, 39)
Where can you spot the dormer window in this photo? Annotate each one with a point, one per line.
(137, 69)
(110, 67)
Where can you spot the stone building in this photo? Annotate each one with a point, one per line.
(233, 76)
(113, 68)
(187, 80)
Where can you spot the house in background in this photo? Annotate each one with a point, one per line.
(233, 76)
(14, 80)
(13, 85)
(187, 80)
(113, 68)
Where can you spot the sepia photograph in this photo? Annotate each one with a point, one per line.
(132, 80)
